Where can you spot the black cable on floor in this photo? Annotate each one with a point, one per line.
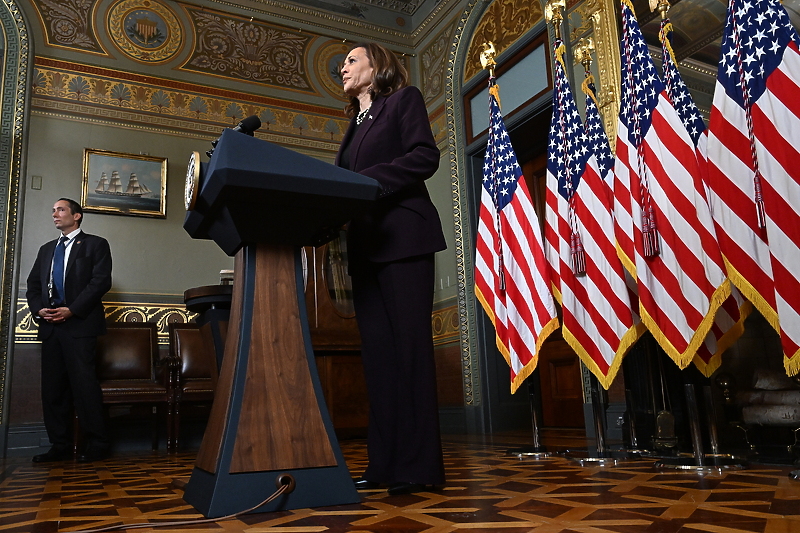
(286, 485)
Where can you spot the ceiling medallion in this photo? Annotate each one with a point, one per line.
(329, 61)
(144, 30)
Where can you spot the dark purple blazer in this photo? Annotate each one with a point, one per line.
(395, 146)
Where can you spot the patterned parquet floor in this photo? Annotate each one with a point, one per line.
(488, 490)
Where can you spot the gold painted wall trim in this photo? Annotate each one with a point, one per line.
(445, 325)
(87, 91)
(444, 321)
(598, 19)
(13, 127)
(466, 308)
(438, 120)
(161, 314)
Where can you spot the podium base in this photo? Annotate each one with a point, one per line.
(269, 416)
(221, 495)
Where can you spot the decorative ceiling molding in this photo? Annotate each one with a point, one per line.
(408, 7)
(310, 17)
(327, 63)
(89, 93)
(441, 11)
(68, 24)
(234, 47)
(147, 31)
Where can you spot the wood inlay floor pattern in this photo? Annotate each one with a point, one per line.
(487, 491)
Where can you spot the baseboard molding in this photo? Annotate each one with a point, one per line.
(27, 440)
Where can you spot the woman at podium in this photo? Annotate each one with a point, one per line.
(390, 254)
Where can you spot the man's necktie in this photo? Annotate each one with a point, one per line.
(58, 271)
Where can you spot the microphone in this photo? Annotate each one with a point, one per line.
(246, 126)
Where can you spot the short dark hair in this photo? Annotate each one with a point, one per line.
(388, 74)
(74, 208)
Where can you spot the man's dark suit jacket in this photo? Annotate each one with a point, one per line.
(394, 145)
(86, 279)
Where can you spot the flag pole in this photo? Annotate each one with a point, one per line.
(553, 15)
(583, 54)
(699, 460)
(537, 450)
(662, 6)
(488, 62)
(553, 12)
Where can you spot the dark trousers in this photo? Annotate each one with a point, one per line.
(393, 303)
(69, 377)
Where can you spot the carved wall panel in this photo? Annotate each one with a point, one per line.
(68, 24)
(235, 47)
(503, 23)
(433, 64)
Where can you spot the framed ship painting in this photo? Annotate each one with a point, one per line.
(124, 184)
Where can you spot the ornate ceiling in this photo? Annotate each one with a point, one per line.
(398, 18)
(698, 26)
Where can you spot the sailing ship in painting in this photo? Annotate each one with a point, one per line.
(114, 186)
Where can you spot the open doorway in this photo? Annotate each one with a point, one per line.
(559, 367)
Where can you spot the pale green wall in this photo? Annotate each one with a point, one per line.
(442, 196)
(155, 256)
(152, 257)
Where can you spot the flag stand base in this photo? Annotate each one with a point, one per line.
(534, 453)
(587, 458)
(536, 450)
(710, 463)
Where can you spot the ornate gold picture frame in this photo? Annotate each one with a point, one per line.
(124, 184)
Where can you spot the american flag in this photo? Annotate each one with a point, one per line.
(597, 138)
(579, 234)
(510, 267)
(678, 93)
(753, 174)
(662, 220)
(729, 321)
(601, 148)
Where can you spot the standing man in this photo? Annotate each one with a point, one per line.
(65, 290)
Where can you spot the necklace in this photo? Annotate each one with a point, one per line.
(361, 116)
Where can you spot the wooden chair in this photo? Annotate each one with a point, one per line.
(131, 371)
(196, 377)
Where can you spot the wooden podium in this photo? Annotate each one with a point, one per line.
(261, 203)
